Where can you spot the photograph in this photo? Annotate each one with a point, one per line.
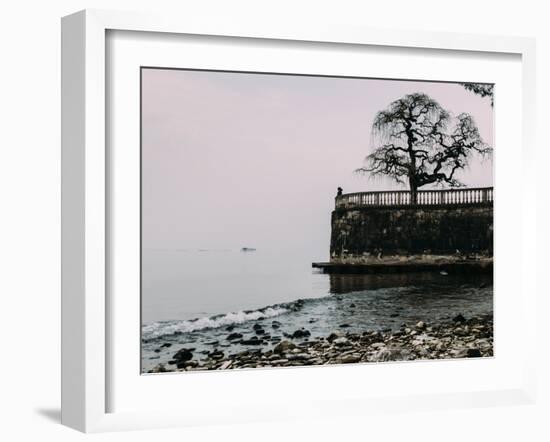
(292, 220)
(232, 221)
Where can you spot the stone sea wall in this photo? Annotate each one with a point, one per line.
(375, 231)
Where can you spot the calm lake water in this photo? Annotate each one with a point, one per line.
(194, 299)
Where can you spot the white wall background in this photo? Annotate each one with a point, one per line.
(30, 221)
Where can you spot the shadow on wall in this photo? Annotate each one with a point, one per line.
(51, 414)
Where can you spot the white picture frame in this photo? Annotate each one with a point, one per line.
(86, 314)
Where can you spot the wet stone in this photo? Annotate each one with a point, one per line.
(340, 341)
(283, 347)
(301, 333)
(252, 341)
(184, 354)
(459, 318)
(350, 358)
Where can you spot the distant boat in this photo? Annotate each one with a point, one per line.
(248, 249)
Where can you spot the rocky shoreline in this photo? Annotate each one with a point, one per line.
(457, 337)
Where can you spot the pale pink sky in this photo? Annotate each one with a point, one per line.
(232, 159)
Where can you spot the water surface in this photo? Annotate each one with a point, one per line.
(195, 299)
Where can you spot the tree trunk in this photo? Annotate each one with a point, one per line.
(412, 166)
(414, 188)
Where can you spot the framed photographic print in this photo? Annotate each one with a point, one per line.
(262, 212)
(236, 209)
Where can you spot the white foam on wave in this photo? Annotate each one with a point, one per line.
(157, 329)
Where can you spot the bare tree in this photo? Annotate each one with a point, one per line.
(417, 143)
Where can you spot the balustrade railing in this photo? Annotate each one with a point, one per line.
(480, 195)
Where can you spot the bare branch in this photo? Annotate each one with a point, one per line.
(416, 142)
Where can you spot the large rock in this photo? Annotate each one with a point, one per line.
(187, 364)
(483, 344)
(340, 341)
(473, 353)
(252, 341)
(350, 359)
(335, 335)
(303, 333)
(185, 354)
(459, 318)
(283, 347)
(467, 353)
(296, 357)
(158, 369)
(391, 354)
(218, 354)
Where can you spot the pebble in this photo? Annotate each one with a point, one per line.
(225, 365)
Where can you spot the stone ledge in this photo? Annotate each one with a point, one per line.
(450, 266)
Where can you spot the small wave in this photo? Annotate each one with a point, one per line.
(167, 328)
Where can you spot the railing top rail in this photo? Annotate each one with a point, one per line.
(374, 192)
(472, 195)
